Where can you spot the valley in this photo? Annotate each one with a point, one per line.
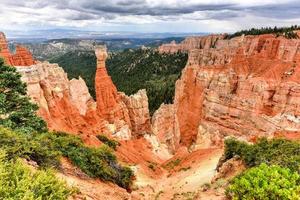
(177, 121)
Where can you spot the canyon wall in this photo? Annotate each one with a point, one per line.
(245, 87)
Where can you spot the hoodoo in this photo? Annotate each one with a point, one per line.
(109, 104)
(22, 57)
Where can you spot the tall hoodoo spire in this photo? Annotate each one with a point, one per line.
(101, 54)
(109, 105)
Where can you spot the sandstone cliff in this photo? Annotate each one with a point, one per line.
(190, 43)
(245, 87)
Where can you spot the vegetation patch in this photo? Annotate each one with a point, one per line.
(287, 32)
(152, 165)
(17, 181)
(279, 152)
(274, 167)
(172, 164)
(95, 162)
(265, 182)
(109, 142)
(16, 110)
(185, 168)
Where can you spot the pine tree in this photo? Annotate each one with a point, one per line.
(16, 110)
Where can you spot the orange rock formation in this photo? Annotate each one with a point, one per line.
(22, 57)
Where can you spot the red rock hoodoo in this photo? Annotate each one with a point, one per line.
(109, 104)
(22, 57)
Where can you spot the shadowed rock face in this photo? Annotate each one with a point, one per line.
(245, 87)
(22, 57)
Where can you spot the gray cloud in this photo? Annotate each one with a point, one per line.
(74, 12)
(105, 8)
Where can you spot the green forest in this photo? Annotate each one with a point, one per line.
(130, 70)
(287, 32)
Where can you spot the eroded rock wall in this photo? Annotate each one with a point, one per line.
(245, 87)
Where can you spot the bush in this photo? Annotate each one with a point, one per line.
(95, 162)
(20, 182)
(280, 152)
(17, 144)
(109, 142)
(265, 182)
(46, 148)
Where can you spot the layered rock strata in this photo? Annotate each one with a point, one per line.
(190, 43)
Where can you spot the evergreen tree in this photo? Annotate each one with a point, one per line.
(16, 110)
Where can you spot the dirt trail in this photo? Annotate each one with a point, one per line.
(186, 178)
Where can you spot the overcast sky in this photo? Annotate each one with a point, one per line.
(148, 15)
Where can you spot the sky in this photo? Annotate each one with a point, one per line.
(147, 15)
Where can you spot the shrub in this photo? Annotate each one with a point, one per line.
(280, 152)
(95, 162)
(17, 181)
(265, 182)
(172, 164)
(27, 146)
(109, 142)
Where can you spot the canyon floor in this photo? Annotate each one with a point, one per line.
(183, 181)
